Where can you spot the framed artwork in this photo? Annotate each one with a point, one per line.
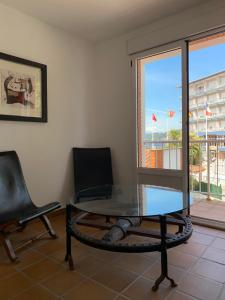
(23, 89)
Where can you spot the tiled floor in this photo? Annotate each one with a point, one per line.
(198, 267)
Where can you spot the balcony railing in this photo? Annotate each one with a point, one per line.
(214, 102)
(206, 162)
(214, 117)
(206, 91)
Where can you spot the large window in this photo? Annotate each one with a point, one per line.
(180, 92)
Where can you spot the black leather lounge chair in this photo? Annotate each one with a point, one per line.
(16, 206)
(92, 167)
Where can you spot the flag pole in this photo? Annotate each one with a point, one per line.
(207, 152)
(167, 127)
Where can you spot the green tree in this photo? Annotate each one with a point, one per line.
(175, 135)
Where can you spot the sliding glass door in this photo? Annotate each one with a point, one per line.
(180, 113)
(207, 125)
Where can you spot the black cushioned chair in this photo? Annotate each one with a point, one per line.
(92, 167)
(16, 206)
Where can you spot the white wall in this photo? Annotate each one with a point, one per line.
(112, 120)
(89, 95)
(45, 148)
(114, 113)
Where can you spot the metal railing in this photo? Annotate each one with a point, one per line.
(214, 117)
(206, 162)
(206, 91)
(213, 102)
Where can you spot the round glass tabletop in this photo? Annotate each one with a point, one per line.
(131, 201)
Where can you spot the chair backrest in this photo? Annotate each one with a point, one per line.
(92, 167)
(14, 197)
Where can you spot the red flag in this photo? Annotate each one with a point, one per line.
(208, 112)
(154, 118)
(171, 113)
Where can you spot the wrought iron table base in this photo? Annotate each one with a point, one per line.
(164, 263)
(167, 240)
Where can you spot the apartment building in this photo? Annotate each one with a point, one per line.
(208, 93)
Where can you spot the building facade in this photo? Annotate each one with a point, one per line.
(208, 92)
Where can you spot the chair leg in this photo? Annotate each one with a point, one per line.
(48, 226)
(21, 228)
(9, 249)
(107, 219)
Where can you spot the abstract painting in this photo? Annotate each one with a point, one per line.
(23, 89)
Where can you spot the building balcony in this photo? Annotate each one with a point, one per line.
(203, 118)
(216, 102)
(206, 92)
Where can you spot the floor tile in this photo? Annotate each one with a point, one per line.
(13, 285)
(219, 243)
(115, 278)
(214, 254)
(142, 290)
(51, 247)
(36, 293)
(110, 275)
(59, 256)
(180, 259)
(180, 296)
(199, 287)
(210, 269)
(6, 269)
(27, 258)
(63, 281)
(222, 295)
(79, 251)
(89, 290)
(154, 255)
(121, 298)
(209, 231)
(105, 256)
(202, 238)
(89, 265)
(134, 262)
(42, 270)
(191, 248)
(155, 270)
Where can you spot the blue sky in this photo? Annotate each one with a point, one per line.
(163, 78)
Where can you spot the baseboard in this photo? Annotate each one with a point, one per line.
(208, 223)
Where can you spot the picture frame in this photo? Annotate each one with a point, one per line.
(23, 89)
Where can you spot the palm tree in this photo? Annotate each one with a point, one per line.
(175, 135)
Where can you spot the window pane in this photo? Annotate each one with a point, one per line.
(159, 116)
(207, 122)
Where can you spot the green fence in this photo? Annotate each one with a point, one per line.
(215, 190)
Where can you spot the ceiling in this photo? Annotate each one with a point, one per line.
(97, 20)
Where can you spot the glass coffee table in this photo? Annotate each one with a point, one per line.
(125, 210)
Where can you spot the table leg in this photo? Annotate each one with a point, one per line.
(68, 256)
(164, 263)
